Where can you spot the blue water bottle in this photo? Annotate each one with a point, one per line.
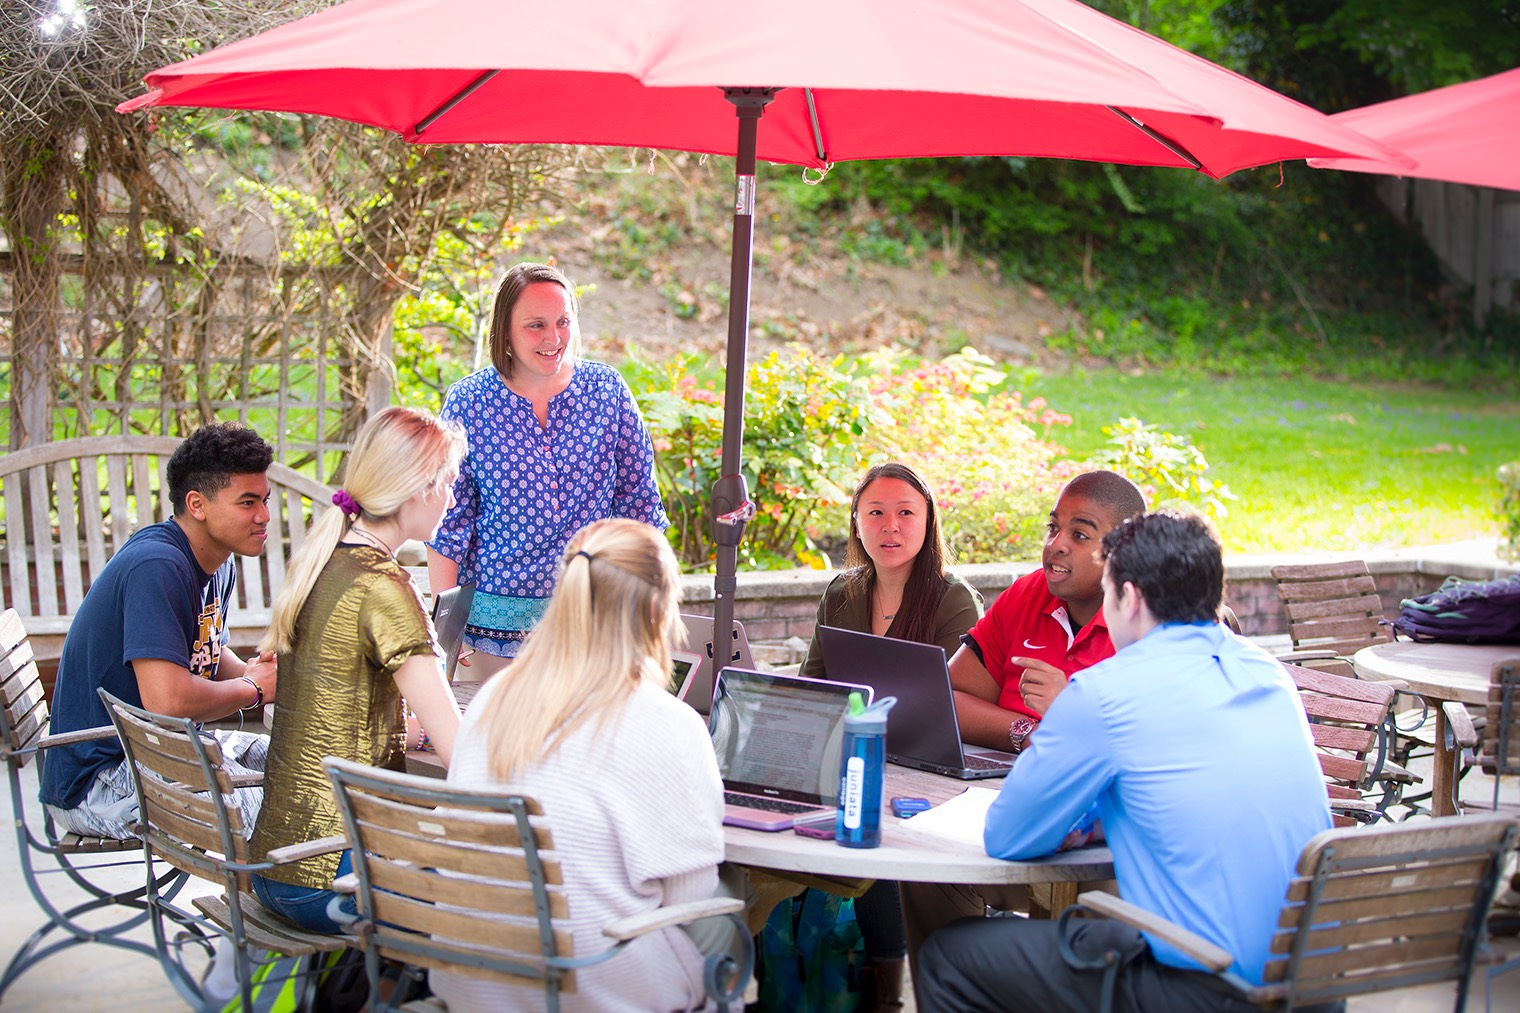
(862, 772)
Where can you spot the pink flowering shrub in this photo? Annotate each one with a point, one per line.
(813, 427)
(989, 456)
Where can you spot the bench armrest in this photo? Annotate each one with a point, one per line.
(1206, 953)
(624, 929)
(348, 884)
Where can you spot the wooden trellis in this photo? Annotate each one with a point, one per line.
(273, 350)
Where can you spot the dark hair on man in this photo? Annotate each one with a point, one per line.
(926, 581)
(1176, 561)
(211, 455)
(1110, 490)
(508, 292)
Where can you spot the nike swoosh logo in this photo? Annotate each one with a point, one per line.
(1034, 647)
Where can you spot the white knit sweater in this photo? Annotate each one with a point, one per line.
(636, 811)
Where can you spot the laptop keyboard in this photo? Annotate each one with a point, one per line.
(974, 762)
(770, 805)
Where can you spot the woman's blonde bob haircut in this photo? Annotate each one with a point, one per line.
(606, 630)
(397, 454)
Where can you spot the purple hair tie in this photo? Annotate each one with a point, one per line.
(343, 501)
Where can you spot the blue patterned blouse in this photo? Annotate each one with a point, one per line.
(524, 490)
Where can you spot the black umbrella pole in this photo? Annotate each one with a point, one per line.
(730, 495)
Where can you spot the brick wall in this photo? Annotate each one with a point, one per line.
(778, 606)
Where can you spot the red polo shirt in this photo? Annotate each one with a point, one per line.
(1027, 621)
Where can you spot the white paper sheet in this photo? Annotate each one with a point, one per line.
(961, 819)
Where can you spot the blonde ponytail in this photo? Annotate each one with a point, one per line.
(606, 630)
(398, 453)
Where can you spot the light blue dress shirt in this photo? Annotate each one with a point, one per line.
(1194, 746)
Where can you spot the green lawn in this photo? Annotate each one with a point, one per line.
(1317, 464)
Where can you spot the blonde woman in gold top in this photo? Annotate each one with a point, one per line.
(353, 640)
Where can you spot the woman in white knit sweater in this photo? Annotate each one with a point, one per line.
(625, 772)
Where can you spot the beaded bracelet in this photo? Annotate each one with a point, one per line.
(258, 700)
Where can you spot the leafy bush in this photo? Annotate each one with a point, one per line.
(812, 427)
(1169, 469)
(1509, 510)
(804, 422)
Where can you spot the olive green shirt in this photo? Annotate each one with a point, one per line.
(960, 606)
(337, 697)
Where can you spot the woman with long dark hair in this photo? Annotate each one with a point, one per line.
(895, 584)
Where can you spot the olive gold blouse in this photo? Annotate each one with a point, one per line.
(336, 697)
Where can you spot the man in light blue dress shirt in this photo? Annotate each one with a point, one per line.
(1191, 749)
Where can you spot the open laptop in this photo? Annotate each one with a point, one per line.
(699, 641)
(922, 730)
(683, 665)
(778, 739)
(451, 610)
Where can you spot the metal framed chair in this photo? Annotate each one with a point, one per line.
(1333, 611)
(1350, 721)
(1370, 910)
(42, 851)
(1500, 750)
(186, 819)
(460, 879)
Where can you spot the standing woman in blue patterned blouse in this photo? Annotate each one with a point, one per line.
(556, 442)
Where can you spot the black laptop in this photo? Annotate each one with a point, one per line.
(451, 610)
(922, 730)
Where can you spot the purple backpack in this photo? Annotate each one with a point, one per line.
(1464, 612)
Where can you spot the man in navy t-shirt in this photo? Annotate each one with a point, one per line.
(152, 631)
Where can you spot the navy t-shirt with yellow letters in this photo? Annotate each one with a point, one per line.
(152, 600)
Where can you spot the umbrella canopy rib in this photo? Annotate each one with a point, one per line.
(453, 100)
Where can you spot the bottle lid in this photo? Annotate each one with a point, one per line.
(872, 719)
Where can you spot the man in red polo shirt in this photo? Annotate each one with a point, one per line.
(1014, 661)
(1049, 624)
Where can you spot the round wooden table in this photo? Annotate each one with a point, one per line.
(918, 858)
(1437, 673)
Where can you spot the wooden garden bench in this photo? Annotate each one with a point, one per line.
(71, 504)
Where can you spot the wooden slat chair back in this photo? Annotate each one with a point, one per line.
(43, 851)
(186, 817)
(1350, 720)
(1331, 607)
(1369, 910)
(1387, 908)
(1500, 751)
(463, 880)
(68, 506)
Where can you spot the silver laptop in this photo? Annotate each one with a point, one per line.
(778, 739)
(922, 730)
(699, 641)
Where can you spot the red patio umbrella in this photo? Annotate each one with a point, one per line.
(811, 81)
(1465, 133)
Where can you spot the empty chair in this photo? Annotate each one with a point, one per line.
(1500, 751)
(1350, 720)
(463, 879)
(1370, 910)
(186, 819)
(24, 738)
(1333, 612)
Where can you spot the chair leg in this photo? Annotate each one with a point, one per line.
(67, 921)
